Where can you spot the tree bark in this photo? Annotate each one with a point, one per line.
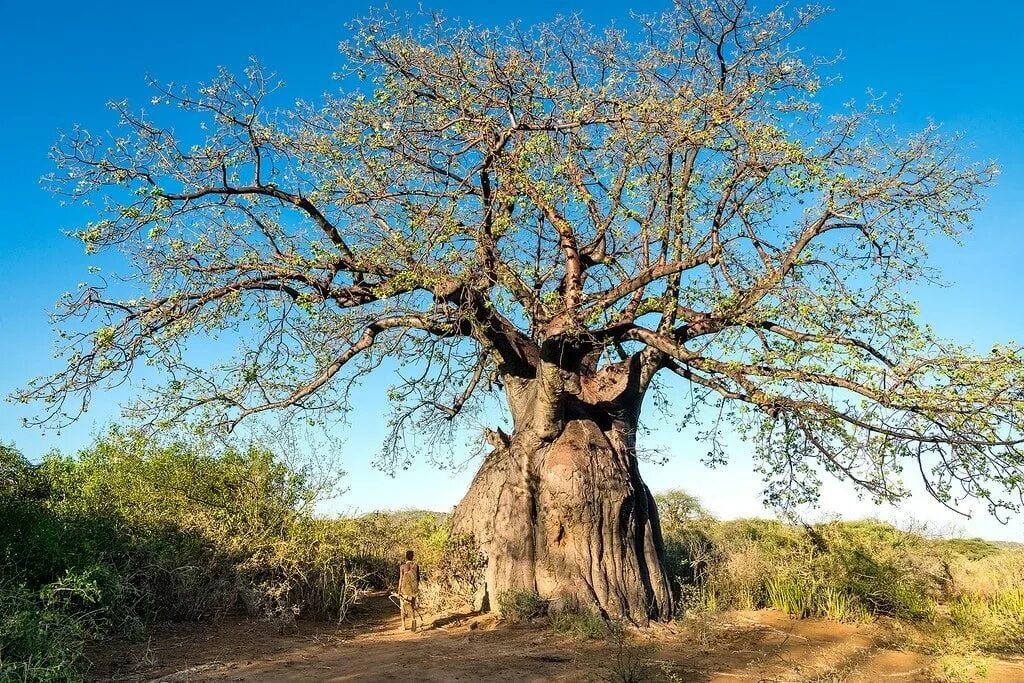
(560, 508)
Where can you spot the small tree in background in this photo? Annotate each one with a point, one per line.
(563, 215)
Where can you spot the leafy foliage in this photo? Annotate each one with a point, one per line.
(556, 207)
(136, 530)
(133, 530)
(43, 632)
(995, 622)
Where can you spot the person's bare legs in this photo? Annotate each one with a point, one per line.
(408, 608)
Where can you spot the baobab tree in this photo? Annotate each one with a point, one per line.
(558, 216)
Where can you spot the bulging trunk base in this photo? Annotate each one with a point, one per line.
(570, 519)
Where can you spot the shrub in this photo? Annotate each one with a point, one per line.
(43, 633)
(135, 530)
(848, 571)
(988, 574)
(175, 528)
(582, 623)
(892, 572)
(453, 571)
(632, 662)
(518, 606)
(962, 668)
(956, 660)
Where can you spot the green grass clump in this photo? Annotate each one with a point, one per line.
(958, 668)
(580, 623)
(519, 606)
(800, 597)
(792, 595)
(956, 659)
(994, 623)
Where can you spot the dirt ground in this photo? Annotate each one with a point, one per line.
(739, 646)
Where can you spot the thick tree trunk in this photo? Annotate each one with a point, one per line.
(563, 511)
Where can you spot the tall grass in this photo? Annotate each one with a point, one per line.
(995, 621)
(848, 571)
(793, 595)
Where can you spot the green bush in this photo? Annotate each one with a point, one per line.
(136, 530)
(180, 529)
(452, 568)
(43, 633)
(956, 659)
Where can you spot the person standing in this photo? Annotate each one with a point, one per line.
(408, 587)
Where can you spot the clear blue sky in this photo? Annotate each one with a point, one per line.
(958, 63)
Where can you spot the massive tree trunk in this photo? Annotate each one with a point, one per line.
(559, 507)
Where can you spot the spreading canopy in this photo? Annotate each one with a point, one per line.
(484, 205)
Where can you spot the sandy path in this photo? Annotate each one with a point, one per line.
(745, 646)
